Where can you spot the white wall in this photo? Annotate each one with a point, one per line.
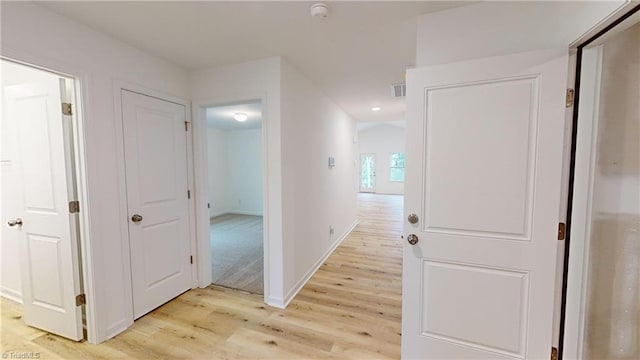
(500, 28)
(382, 140)
(302, 128)
(235, 172)
(612, 314)
(228, 85)
(38, 36)
(218, 168)
(316, 196)
(245, 171)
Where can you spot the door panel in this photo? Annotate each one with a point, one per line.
(485, 141)
(48, 256)
(475, 309)
(156, 176)
(469, 207)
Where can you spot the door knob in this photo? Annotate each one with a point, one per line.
(136, 218)
(15, 222)
(413, 218)
(412, 239)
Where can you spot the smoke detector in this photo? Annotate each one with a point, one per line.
(319, 10)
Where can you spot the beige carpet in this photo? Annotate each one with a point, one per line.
(236, 252)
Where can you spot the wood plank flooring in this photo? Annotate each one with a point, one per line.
(350, 309)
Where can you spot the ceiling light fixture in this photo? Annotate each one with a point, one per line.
(319, 10)
(376, 108)
(240, 117)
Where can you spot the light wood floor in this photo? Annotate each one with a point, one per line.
(236, 252)
(351, 308)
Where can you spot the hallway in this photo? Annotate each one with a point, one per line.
(351, 308)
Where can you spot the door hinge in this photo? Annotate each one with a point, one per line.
(570, 96)
(561, 230)
(74, 207)
(554, 353)
(186, 126)
(66, 109)
(188, 194)
(191, 259)
(81, 299)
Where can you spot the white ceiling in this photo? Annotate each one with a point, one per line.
(353, 56)
(221, 117)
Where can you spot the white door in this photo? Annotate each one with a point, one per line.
(367, 173)
(484, 155)
(10, 206)
(156, 175)
(40, 157)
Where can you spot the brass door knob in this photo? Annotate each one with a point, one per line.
(15, 222)
(412, 239)
(136, 218)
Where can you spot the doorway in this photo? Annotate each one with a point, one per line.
(602, 308)
(235, 195)
(367, 173)
(40, 224)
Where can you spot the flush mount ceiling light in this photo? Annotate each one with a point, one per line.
(319, 10)
(240, 117)
(376, 108)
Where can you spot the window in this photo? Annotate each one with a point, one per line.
(396, 167)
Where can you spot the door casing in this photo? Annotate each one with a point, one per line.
(201, 181)
(586, 81)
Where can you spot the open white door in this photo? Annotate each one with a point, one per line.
(484, 155)
(44, 226)
(155, 144)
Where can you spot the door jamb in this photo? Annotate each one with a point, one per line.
(572, 295)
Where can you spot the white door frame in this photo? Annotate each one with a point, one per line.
(118, 87)
(79, 148)
(201, 166)
(579, 230)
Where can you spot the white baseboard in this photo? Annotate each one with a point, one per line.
(276, 302)
(303, 281)
(11, 294)
(381, 193)
(239, 212)
(243, 212)
(217, 213)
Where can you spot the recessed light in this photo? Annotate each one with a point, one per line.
(240, 117)
(376, 108)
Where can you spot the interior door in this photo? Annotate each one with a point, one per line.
(367, 173)
(484, 155)
(156, 176)
(10, 206)
(39, 158)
